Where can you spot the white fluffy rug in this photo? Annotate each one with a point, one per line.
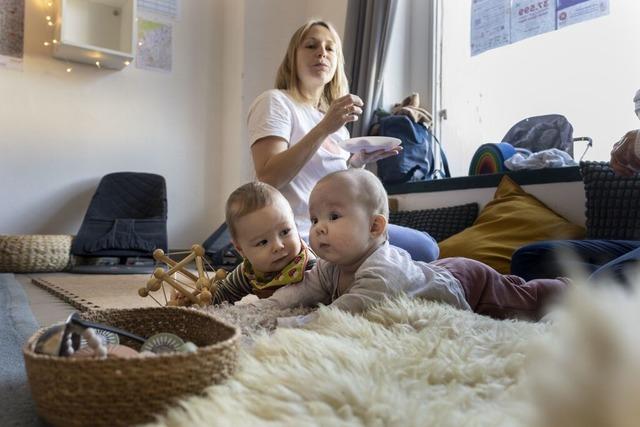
(586, 371)
(405, 363)
(417, 363)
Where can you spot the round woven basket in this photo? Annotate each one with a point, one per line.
(34, 253)
(113, 392)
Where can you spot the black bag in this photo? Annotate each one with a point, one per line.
(417, 160)
(220, 250)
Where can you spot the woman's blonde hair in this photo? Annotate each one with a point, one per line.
(287, 77)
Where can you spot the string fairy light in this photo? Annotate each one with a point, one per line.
(51, 22)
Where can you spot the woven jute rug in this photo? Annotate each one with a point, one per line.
(94, 291)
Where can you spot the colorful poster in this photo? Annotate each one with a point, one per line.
(489, 24)
(155, 45)
(571, 12)
(532, 17)
(11, 33)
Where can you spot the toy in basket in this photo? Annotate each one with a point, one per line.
(116, 391)
(189, 288)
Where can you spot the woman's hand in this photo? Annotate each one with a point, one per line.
(624, 160)
(341, 111)
(360, 159)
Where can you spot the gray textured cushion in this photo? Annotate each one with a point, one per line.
(613, 203)
(439, 223)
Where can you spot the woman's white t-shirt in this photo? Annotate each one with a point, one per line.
(275, 113)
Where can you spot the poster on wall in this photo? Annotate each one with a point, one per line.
(532, 17)
(571, 12)
(489, 24)
(166, 8)
(496, 23)
(11, 34)
(155, 45)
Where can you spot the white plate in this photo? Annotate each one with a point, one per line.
(370, 143)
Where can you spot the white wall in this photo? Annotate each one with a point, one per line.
(232, 163)
(62, 132)
(589, 72)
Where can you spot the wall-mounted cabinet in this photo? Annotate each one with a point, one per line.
(96, 30)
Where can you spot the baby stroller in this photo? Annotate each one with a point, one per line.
(544, 132)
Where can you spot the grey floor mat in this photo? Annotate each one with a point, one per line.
(18, 323)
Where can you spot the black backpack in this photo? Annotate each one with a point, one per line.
(220, 250)
(416, 161)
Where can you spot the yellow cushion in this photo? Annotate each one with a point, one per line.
(512, 219)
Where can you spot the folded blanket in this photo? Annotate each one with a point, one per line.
(550, 158)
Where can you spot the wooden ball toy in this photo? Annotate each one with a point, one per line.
(202, 283)
(194, 288)
(205, 297)
(198, 250)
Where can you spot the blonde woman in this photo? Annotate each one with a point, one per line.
(295, 128)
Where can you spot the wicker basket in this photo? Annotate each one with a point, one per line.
(114, 392)
(34, 253)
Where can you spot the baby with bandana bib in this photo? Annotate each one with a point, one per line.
(264, 232)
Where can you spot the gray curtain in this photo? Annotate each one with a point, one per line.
(366, 42)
